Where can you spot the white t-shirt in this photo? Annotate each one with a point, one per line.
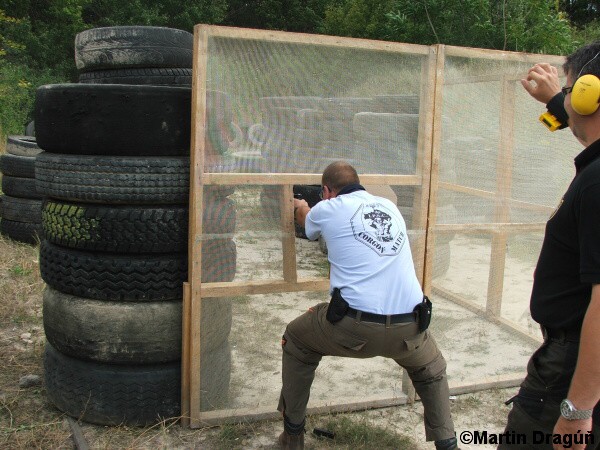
(368, 250)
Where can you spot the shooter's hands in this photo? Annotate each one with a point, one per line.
(542, 82)
(301, 209)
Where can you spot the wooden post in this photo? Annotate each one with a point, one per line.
(503, 193)
(288, 236)
(436, 117)
(198, 133)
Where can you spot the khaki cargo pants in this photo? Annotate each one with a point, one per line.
(310, 336)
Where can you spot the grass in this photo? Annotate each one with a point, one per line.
(361, 434)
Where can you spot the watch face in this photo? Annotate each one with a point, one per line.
(565, 409)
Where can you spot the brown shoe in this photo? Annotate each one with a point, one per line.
(291, 441)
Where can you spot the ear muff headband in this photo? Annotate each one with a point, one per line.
(585, 96)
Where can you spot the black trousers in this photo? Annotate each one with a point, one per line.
(536, 407)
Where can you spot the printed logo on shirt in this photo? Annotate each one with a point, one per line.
(375, 226)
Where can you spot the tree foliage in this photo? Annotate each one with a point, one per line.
(37, 36)
(529, 26)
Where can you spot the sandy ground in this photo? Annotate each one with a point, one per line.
(477, 351)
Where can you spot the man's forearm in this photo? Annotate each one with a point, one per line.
(585, 386)
(300, 214)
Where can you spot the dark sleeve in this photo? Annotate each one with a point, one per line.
(556, 107)
(589, 234)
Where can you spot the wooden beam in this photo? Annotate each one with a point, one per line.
(502, 55)
(473, 307)
(263, 287)
(288, 236)
(197, 159)
(503, 190)
(437, 106)
(489, 194)
(312, 39)
(302, 178)
(472, 228)
(212, 418)
(249, 415)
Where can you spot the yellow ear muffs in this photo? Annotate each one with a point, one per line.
(585, 96)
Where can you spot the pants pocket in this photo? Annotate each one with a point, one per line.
(348, 340)
(531, 403)
(414, 342)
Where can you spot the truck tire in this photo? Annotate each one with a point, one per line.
(127, 332)
(156, 76)
(133, 46)
(111, 394)
(132, 180)
(113, 119)
(131, 228)
(21, 209)
(17, 166)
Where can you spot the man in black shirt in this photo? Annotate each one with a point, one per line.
(561, 392)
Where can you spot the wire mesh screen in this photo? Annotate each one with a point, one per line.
(501, 174)
(278, 111)
(289, 109)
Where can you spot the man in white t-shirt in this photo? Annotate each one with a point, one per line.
(377, 306)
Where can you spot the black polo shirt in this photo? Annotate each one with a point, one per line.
(569, 262)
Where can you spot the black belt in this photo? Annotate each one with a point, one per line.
(382, 318)
(561, 335)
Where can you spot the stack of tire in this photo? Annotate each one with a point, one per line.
(21, 205)
(115, 174)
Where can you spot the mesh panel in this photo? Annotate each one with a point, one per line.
(295, 107)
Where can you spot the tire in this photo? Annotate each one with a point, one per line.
(133, 46)
(17, 166)
(28, 233)
(109, 276)
(130, 228)
(22, 146)
(20, 187)
(113, 119)
(137, 278)
(113, 179)
(131, 180)
(109, 394)
(156, 76)
(21, 209)
(127, 333)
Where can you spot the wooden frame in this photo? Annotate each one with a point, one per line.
(426, 179)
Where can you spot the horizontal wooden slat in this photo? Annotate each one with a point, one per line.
(492, 195)
(507, 325)
(245, 415)
(301, 178)
(262, 287)
(313, 39)
(469, 228)
(499, 55)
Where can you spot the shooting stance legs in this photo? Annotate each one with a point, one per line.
(311, 336)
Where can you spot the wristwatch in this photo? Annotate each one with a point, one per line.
(569, 412)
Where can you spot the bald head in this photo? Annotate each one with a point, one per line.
(339, 174)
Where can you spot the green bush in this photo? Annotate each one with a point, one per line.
(17, 95)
